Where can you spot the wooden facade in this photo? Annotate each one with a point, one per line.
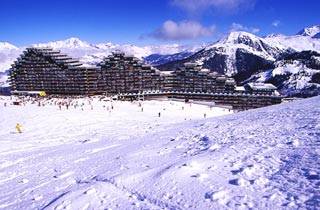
(48, 70)
(120, 73)
(45, 69)
(192, 78)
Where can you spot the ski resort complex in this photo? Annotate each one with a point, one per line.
(160, 105)
(50, 71)
(45, 69)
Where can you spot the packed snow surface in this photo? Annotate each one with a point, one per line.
(94, 157)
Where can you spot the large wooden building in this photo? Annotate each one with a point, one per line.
(121, 73)
(191, 78)
(50, 71)
(45, 69)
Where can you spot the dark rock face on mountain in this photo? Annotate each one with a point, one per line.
(309, 58)
(248, 64)
(157, 59)
(317, 36)
(310, 31)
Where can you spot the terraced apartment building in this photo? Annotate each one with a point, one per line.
(120, 73)
(45, 69)
(52, 72)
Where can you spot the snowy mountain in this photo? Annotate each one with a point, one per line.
(70, 43)
(157, 59)
(295, 75)
(266, 158)
(78, 48)
(317, 36)
(246, 56)
(310, 31)
(8, 53)
(239, 54)
(297, 42)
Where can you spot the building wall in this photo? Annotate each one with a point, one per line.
(44, 69)
(126, 74)
(47, 70)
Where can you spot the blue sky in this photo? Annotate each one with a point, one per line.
(143, 22)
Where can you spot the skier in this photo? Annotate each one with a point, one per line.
(159, 114)
(204, 115)
(18, 127)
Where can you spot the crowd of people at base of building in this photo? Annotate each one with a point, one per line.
(61, 102)
(76, 103)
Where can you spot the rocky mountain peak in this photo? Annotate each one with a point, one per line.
(310, 31)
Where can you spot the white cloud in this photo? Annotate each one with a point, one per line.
(171, 30)
(239, 27)
(276, 23)
(195, 6)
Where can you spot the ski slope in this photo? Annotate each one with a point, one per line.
(123, 158)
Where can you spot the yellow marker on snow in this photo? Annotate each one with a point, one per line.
(42, 93)
(18, 127)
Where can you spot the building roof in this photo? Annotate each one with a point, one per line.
(166, 72)
(240, 88)
(261, 86)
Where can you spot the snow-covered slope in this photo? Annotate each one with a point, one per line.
(306, 39)
(94, 159)
(297, 42)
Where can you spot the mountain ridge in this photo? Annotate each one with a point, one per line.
(239, 54)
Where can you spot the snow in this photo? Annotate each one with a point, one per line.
(75, 47)
(72, 42)
(245, 41)
(7, 46)
(266, 158)
(251, 43)
(298, 77)
(8, 54)
(310, 31)
(4, 81)
(298, 42)
(291, 68)
(91, 54)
